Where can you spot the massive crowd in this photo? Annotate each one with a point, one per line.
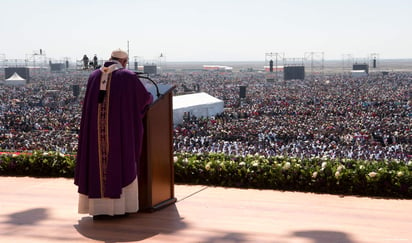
(333, 116)
(42, 115)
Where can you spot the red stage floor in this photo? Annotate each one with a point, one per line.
(45, 210)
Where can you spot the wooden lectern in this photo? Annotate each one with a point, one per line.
(156, 177)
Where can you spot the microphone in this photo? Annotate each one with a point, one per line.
(147, 77)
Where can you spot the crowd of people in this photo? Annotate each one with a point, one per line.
(41, 115)
(333, 116)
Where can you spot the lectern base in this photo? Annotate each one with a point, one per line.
(160, 205)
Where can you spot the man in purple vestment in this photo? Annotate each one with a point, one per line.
(110, 139)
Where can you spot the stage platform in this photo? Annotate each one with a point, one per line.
(45, 210)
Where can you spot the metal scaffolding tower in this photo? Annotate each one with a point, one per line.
(37, 59)
(374, 62)
(347, 63)
(2, 60)
(294, 61)
(162, 63)
(316, 62)
(278, 59)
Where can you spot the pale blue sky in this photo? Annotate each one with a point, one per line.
(212, 30)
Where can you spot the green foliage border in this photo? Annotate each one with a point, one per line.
(320, 175)
(37, 164)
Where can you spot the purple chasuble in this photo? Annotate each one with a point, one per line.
(111, 133)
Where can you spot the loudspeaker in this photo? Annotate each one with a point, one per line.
(56, 67)
(76, 90)
(242, 91)
(374, 63)
(150, 69)
(364, 67)
(294, 72)
(271, 66)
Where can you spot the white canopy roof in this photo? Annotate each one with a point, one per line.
(199, 104)
(359, 73)
(15, 79)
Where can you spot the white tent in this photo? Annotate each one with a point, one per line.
(199, 105)
(358, 73)
(15, 79)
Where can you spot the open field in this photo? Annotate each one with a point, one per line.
(330, 66)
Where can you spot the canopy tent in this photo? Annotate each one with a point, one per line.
(358, 73)
(198, 105)
(15, 79)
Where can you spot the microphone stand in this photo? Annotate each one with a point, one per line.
(147, 77)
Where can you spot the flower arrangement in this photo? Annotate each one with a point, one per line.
(319, 175)
(38, 163)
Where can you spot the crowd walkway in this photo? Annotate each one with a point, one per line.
(45, 210)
